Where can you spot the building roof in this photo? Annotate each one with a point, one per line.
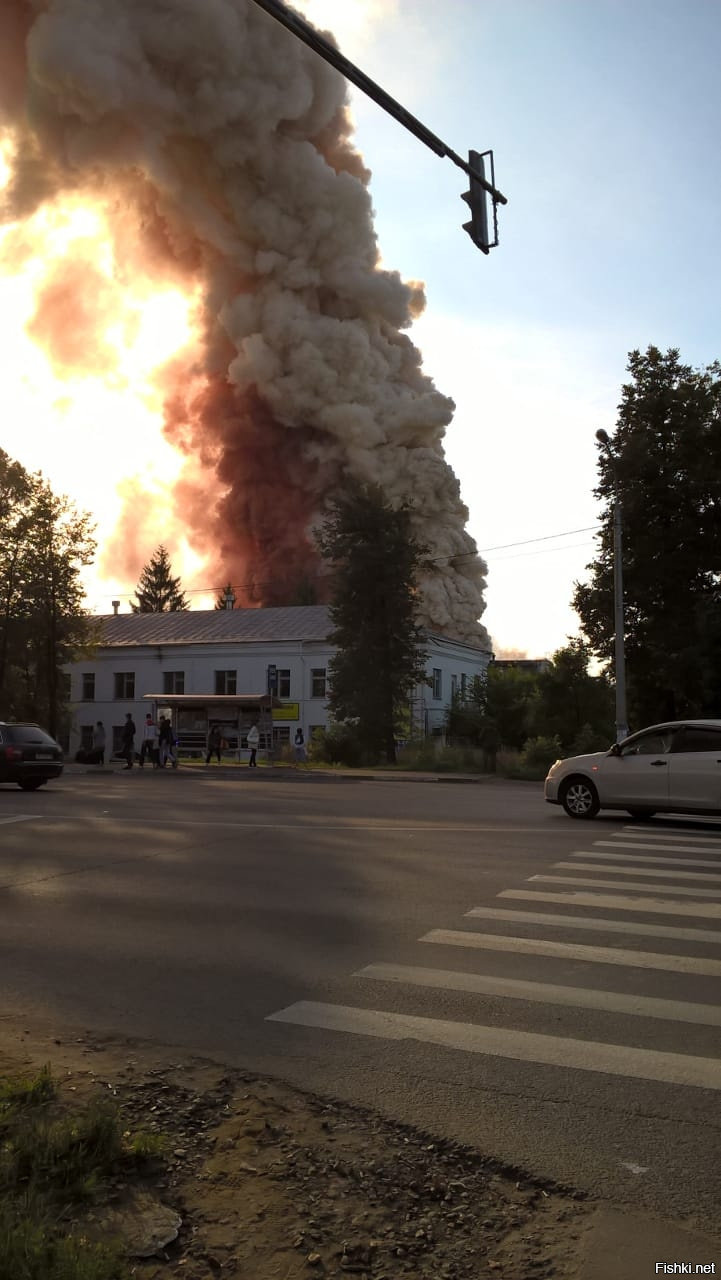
(208, 626)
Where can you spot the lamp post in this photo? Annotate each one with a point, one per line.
(619, 654)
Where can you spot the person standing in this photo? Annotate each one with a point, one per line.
(99, 742)
(299, 746)
(253, 741)
(150, 742)
(128, 745)
(165, 742)
(213, 744)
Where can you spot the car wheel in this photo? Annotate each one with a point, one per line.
(579, 798)
(32, 784)
(642, 813)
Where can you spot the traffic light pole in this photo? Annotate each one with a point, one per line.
(321, 46)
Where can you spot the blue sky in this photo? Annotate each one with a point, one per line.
(604, 122)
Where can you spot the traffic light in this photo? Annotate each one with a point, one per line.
(477, 200)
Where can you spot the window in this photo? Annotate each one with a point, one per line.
(317, 682)
(437, 682)
(697, 738)
(281, 735)
(454, 686)
(117, 738)
(463, 684)
(173, 682)
(88, 693)
(649, 744)
(86, 736)
(225, 682)
(283, 682)
(124, 684)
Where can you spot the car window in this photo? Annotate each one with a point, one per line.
(649, 744)
(28, 734)
(698, 738)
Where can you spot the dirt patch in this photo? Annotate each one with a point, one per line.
(270, 1183)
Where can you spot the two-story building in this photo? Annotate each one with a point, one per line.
(231, 667)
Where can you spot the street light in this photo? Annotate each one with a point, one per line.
(619, 656)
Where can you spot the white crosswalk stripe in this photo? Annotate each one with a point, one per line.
(631, 877)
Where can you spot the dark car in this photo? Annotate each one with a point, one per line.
(28, 755)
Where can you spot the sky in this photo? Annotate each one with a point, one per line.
(603, 118)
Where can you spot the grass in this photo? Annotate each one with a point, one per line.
(52, 1161)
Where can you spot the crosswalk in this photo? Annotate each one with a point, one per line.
(652, 898)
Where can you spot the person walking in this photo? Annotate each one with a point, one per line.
(165, 742)
(149, 745)
(99, 743)
(128, 744)
(214, 741)
(299, 747)
(253, 741)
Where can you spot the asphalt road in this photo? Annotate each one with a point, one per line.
(317, 929)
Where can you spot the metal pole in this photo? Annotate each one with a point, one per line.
(618, 620)
(620, 656)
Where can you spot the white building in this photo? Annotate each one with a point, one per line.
(217, 666)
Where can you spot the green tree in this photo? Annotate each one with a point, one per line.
(666, 462)
(375, 561)
(571, 704)
(157, 590)
(512, 693)
(44, 543)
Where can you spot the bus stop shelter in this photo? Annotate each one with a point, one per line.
(193, 715)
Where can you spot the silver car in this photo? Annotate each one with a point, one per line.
(673, 767)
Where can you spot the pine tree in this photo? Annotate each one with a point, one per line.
(157, 590)
(380, 659)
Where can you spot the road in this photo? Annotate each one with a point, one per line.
(463, 958)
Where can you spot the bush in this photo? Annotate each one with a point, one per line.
(429, 754)
(338, 744)
(589, 739)
(540, 753)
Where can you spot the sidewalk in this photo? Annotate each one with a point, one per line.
(290, 771)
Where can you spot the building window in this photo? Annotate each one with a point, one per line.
(117, 732)
(464, 683)
(317, 682)
(124, 684)
(225, 682)
(437, 682)
(86, 736)
(173, 682)
(88, 694)
(454, 687)
(283, 682)
(281, 735)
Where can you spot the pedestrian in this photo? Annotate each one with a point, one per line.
(299, 747)
(214, 741)
(99, 743)
(165, 742)
(149, 746)
(128, 744)
(253, 740)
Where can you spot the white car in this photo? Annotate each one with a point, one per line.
(673, 767)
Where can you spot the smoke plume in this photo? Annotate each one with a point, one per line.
(218, 148)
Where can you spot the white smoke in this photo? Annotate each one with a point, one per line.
(218, 145)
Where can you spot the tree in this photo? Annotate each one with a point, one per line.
(44, 543)
(158, 591)
(222, 596)
(375, 561)
(667, 464)
(571, 704)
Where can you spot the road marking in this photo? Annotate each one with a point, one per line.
(545, 993)
(20, 817)
(653, 905)
(646, 832)
(654, 858)
(672, 833)
(600, 926)
(573, 951)
(638, 871)
(662, 848)
(684, 890)
(521, 1046)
